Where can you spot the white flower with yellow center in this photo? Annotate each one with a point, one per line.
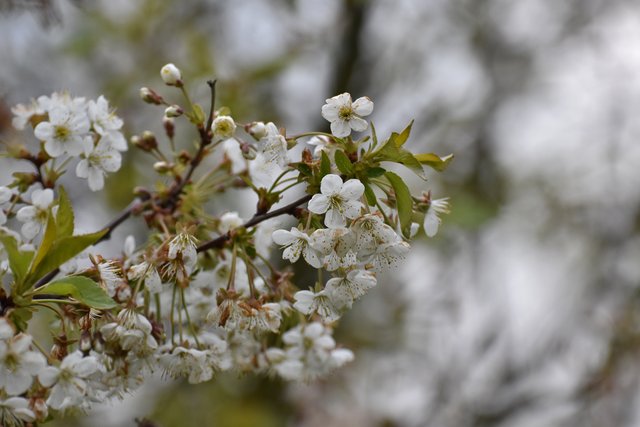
(106, 123)
(308, 302)
(64, 132)
(223, 127)
(18, 364)
(345, 115)
(297, 243)
(339, 200)
(97, 161)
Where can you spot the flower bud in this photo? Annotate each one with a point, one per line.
(85, 341)
(149, 139)
(162, 167)
(256, 129)
(169, 126)
(223, 127)
(171, 75)
(173, 111)
(39, 408)
(150, 96)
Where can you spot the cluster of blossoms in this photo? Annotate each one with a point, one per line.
(201, 294)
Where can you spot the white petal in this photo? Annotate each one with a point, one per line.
(82, 169)
(311, 256)
(431, 223)
(18, 382)
(304, 301)
(26, 213)
(358, 124)
(352, 189)
(351, 208)
(330, 112)
(334, 219)
(283, 237)
(341, 128)
(48, 376)
(331, 184)
(363, 106)
(43, 131)
(318, 204)
(95, 179)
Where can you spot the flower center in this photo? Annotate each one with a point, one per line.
(345, 113)
(336, 202)
(61, 133)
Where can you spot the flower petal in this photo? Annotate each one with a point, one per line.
(318, 204)
(363, 106)
(358, 124)
(341, 128)
(352, 189)
(331, 184)
(334, 219)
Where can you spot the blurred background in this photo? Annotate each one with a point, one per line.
(525, 310)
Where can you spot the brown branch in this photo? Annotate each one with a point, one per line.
(218, 242)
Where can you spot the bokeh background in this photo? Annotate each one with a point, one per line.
(524, 311)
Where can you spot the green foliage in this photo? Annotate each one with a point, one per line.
(18, 260)
(325, 165)
(64, 217)
(344, 164)
(434, 161)
(403, 201)
(79, 288)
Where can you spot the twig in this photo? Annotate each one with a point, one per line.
(218, 242)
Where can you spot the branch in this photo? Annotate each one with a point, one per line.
(218, 242)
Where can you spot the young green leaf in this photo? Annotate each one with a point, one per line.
(390, 152)
(81, 289)
(369, 194)
(434, 161)
(325, 165)
(18, 260)
(64, 217)
(375, 172)
(49, 238)
(404, 203)
(344, 164)
(403, 136)
(62, 251)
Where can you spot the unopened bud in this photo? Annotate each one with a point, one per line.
(98, 342)
(150, 96)
(173, 111)
(169, 126)
(162, 167)
(85, 341)
(257, 130)
(39, 408)
(171, 75)
(184, 157)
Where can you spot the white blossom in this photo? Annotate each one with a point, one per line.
(323, 143)
(349, 287)
(64, 132)
(187, 362)
(371, 231)
(70, 383)
(106, 124)
(432, 219)
(147, 272)
(223, 127)
(110, 276)
(273, 146)
(24, 113)
(345, 115)
(14, 411)
(35, 216)
(336, 245)
(132, 331)
(308, 302)
(296, 243)
(18, 364)
(339, 200)
(229, 221)
(97, 161)
(5, 197)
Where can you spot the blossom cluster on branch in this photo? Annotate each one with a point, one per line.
(202, 294)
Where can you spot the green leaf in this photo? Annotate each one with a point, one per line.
(48, 240)
(325, 165)
(375, 172)
(18, 261)
(64, 217)
(404, 203)
(304, 169)
(79, 288)
(404, 135)
(344, 164)
(434, 161)
(390, 152)
(20, 317)
(63, 250)
(369, 194)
